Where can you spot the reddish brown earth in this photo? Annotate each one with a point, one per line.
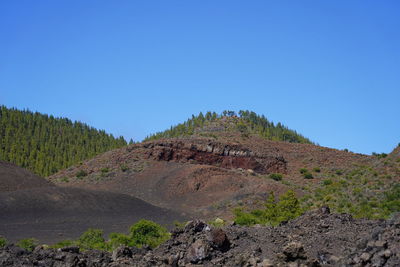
(207, 177)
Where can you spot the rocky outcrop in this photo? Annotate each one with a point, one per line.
(315, 239)
(216, 154)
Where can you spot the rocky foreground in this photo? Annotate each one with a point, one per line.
(317, 238)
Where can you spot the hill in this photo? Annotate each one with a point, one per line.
(49, 213)
(228, 123)
(209, 177)
(14, 178)
(45, 144)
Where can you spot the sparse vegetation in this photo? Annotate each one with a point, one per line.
(245, 122)
(287, 208)
(379, 155)
(148, 233)
(303, 170)
(124, 167)
(92, 239)
(80, 174)
(317, 169)
(3, 242)
(308, 175)
(28, 243)
(143, 232)
(104, 170)
(276, 176)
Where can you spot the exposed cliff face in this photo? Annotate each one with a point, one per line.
(216, 154)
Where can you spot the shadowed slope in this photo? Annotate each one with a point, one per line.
(14, 178)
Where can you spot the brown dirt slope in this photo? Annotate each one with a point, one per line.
(207, 176)
(14, 178)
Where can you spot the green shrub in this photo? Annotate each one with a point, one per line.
(217, 222)
(92, 239)
(327, 182)
(124, 167)
(118, 239)
(287, 208)
(149, 233)
(317, 169)
(308, 175)
(104, 170)
(64, 179)
(276, 176)
(28, 243)
(3, 242)
(338, 172)
(303, 170)
(81, 174)
(63, 244)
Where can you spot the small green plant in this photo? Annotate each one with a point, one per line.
(104, 170)
(3, 242)
(80, 174)
(308, 175)
(63, 244)
(217, 222)
(92, 239)
(339, 172)
(317, 169)
(179, 225)
(124, 167)
(276, 176)
(345, 150)
(118, 239)
(303, 170)
(64, 179)
(28, 243)
(287, 208)
(327, 182)
(379, 155)
(149, 233)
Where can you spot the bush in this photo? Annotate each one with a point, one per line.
(317, 169)
(338, 172)
(118, 239)
(63, 244)
(149, 233)
(276, 176)
(308, 175)
(81, 174)
(3, 242)
(124, 167)
(327, 182)
(303, 170)
(104, 170)
(92, 239)
(28, 244)
(287, 208)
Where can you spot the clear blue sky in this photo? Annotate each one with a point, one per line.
(328, 69)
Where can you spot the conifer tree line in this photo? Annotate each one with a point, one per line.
(246, 122)
(45, 144)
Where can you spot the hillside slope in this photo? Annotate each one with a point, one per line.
(14, 178)
(50, 213)
(206, 176)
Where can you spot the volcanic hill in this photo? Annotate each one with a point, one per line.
(207, 168)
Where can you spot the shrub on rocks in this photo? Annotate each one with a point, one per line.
(148, 233)
(3, 242)
(28, 244)
(287, 208)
